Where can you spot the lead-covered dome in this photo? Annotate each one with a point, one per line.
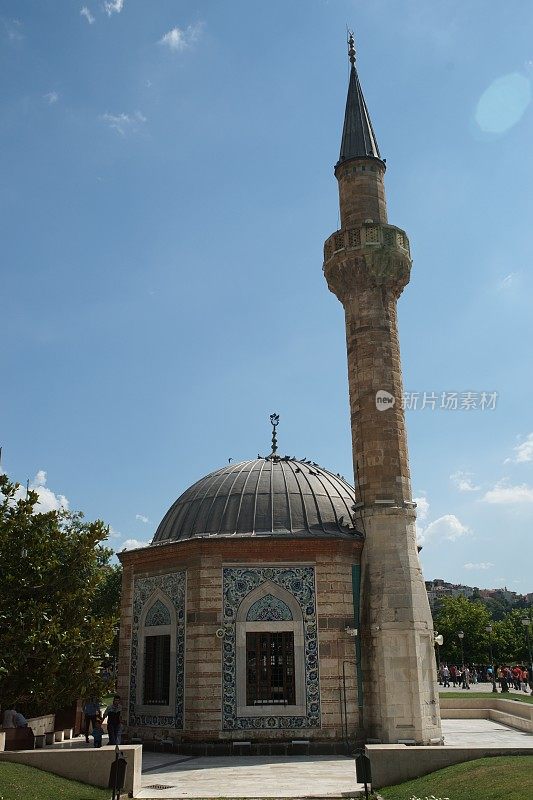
(270, 496)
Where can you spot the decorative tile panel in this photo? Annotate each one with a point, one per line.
(158, 615)
(269, 609)
(238, 582)
(173, 587)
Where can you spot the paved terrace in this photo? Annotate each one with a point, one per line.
(286, 777)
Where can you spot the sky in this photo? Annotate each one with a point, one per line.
(167, 186)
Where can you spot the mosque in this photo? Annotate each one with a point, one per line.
(278, 608)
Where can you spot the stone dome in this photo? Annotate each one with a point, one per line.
(270, 496)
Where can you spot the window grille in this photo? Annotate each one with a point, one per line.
(339, 241)
(372, 234)
(270, 668)
(156, 670)
(389, 237)
(354, 238)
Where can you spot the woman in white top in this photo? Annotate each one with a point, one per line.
(9, 718)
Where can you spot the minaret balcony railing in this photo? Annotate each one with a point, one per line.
(365, 236)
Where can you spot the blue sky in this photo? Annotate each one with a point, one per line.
(166, 189)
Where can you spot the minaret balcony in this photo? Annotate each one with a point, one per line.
(370, 235)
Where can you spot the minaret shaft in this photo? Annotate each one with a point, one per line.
(367, 265)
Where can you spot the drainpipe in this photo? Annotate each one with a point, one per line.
(356, 593)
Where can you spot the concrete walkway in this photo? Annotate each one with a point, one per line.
(482, 687)
(248, 776)
(167, 775)
(483, 733)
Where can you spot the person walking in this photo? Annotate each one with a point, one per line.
(97, 731)
(91, 709)
(112, 714)
(446, 675)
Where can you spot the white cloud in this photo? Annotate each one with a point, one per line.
(422, 507)
(13, 30)
(447, 527)
(87, 14)
(479, 565)
(47, 499)
(133, 544)
(463, 481)
(113, 534)
(504, 494)
(124, 123)
(506, 282)
(52, 97)
(142, 518)
(182, 39)
(522, 452)
(113, 6)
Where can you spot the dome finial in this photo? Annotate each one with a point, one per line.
(351, 48)
(274, 421)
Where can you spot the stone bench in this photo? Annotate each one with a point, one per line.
(19, 739)
(300, 746)
(241, 748)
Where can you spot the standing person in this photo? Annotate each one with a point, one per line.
(517, 674)
(97, 731)
(91, 709)
(446, 675)
(453, 674)
(525, 679)
(466, 677)
(9, 718)
(504, 681)
(112, 713)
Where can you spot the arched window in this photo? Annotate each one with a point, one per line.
(156, 688)
(270, 654)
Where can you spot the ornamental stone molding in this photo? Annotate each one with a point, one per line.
(370, 256)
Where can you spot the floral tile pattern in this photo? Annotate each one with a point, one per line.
(158, 615)
(300, 582)
(269, 609)
(173, 586)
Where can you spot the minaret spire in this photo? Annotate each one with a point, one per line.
(358, 137)
(367, 265)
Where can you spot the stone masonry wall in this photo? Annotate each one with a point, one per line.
(203, 561)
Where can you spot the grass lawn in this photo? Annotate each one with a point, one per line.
(519, 698)
(499, 778)
(19, 782)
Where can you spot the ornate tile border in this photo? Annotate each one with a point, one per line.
(173, 585)
(238, 582)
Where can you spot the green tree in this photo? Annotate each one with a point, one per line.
(510, 644)
(456, 614)
(57, 612)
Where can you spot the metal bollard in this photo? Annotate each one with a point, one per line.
(362, 769)
(117, 774)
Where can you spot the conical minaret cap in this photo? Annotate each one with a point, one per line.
(358, 137)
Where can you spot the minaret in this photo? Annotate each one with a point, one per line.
(367, 265)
